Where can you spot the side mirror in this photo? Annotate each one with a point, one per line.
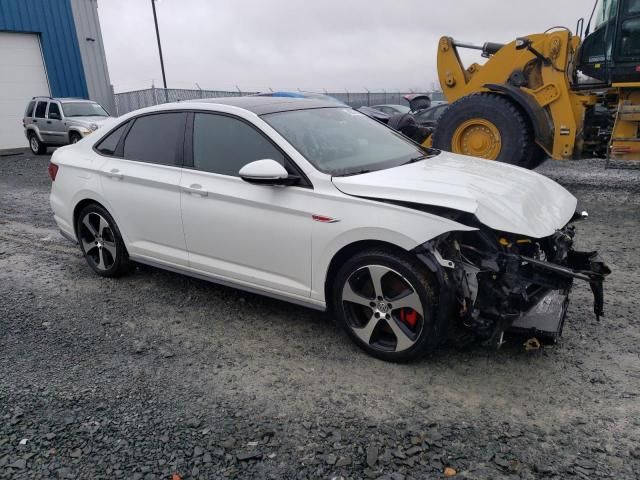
(54, 116)
(267, 172)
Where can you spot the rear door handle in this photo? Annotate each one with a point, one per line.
(48, 121)
(196, 189)
(114, 173)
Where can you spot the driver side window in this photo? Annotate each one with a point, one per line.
(223, 144)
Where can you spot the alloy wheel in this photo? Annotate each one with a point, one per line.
(382, 308)
(33, 143)
(98, 241)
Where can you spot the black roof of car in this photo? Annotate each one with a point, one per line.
(265, 105)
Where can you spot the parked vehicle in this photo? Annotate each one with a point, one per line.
(59, 121)
(429, 116)
(320, 205)
(391, 109)
(375, 114)
(308, 95)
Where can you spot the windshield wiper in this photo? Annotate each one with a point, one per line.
(348, 174)
(416, 159)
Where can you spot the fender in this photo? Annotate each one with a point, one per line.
(540, 120)
(32, 128)
(400, 226)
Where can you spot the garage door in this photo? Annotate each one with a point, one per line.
(22, 76)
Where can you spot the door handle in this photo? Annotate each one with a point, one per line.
(114, 173)
(48, 121)
(196, 189)
(35, 121)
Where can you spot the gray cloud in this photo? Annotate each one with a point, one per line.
(287, 44)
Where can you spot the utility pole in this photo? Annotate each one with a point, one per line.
(164, 77)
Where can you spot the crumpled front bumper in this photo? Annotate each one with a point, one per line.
(585, 266)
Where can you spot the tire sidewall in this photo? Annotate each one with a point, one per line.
(427, 339)
(514, 133)
(122, 258)
(73, 136)
(38, 151)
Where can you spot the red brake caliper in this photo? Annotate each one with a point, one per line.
(409, 316)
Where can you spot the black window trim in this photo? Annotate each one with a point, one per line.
(188, 147)
(186, 152)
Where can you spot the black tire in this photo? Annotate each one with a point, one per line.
(105, 252)
(36, 146)
(537, 156)
(421, 338)
(74, 137)
(515, 132)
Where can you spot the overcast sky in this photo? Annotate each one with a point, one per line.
(311, 45)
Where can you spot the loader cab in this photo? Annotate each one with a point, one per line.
(611, 51)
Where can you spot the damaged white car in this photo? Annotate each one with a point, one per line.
(317, 204)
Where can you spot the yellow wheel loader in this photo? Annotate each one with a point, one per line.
(556, 93)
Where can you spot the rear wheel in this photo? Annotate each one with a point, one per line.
(36, 146)
(488, 126)
(386, 303)
(101, 242)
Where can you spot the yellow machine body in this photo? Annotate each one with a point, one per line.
(556, 108)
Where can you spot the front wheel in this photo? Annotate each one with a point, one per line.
(74, 137)
(386, 303)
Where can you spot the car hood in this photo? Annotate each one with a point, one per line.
(86, 121)
(503, 197)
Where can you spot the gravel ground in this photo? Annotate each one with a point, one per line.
(157, 374)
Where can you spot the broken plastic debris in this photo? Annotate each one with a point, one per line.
(23, 441)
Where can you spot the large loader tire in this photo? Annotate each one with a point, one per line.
(488, 126)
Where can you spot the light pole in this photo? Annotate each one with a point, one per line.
(164, 77)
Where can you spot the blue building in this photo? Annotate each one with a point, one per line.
(48, 47)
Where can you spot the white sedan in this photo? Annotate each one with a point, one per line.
(317, 204)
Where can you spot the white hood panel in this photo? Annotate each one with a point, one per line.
(501, 196)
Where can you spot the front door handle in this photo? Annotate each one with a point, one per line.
(196, 189)
(48, 121)
(114, 173)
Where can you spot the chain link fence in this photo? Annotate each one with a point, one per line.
(129, 101)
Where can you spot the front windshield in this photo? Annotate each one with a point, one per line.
(606, 10)
(83, 109)
(342, 141)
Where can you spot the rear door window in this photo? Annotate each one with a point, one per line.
(41, 109)
(156, 138)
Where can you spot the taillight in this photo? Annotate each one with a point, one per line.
(53, 171)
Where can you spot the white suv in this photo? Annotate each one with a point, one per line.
(317, 204)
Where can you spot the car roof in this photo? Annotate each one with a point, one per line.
(265, 105)
(64, 99)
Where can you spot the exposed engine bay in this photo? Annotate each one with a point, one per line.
(498, 282)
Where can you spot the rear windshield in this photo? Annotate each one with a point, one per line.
(83, 109)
